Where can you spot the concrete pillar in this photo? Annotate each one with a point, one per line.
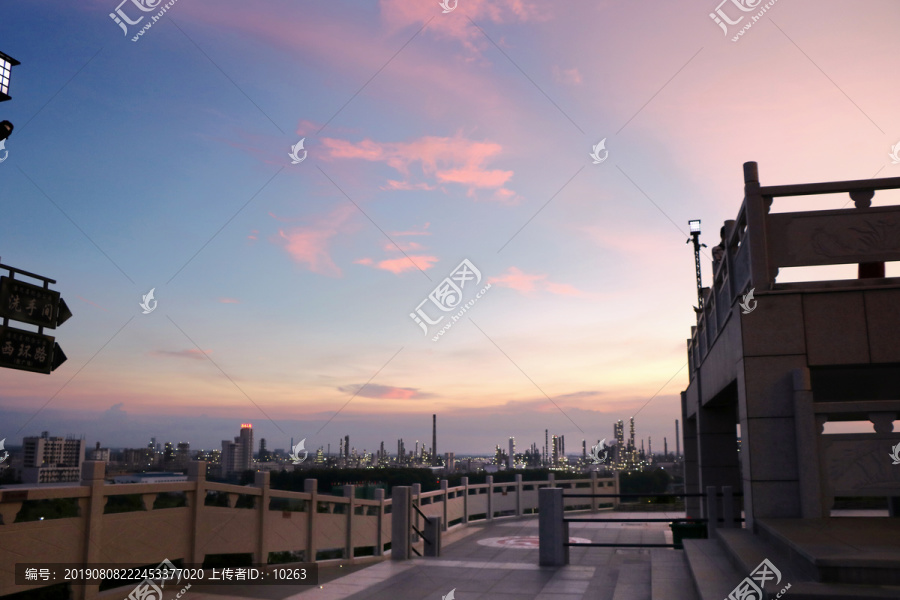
(379, 535)
(401, 522)
(464, 482)
(445, 487)
(261, 481)
(417, 500)
(432, 533)
(490, 497)
(311, 487)
(93, 475)
(728, 507)
(349, 492)
(812, 504)
(552, 530)
(692, 506)
(197, 475)
(518, 494)
(717, 441)
(712, 512)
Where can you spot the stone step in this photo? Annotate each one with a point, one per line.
(670, 576)
(713, 574)
(633, 582)
(746, 551)
(811, 590)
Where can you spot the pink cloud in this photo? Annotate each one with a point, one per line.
(373, 390)
(191, 353)
(527, 284)
(363, 261)
(229, 301)
(442, 159)
(309, 245)
(570, 76)
(399, 14)
(424, 231)
(400, 265)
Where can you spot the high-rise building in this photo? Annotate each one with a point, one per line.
(263, 453)
(434, 460)
(347, 446)
(52, 459)
(237, 456)
(182, 455)
(98, 453)
(677, 441)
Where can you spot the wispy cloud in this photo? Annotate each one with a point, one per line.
(528, 284)
(190, 353)
(385, 392)
(441, 160)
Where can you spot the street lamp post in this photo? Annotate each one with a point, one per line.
(695, 237)
(6, 64)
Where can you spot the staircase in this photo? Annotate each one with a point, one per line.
(815, 561)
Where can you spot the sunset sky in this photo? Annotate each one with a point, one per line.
(284, 290)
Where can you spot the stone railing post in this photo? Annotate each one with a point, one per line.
(518, 494)
(349, 492)
(379, 536)
(489, 480)
(93, 474)
(464, 482)
(311, 487)
(712, 512)
(445, 487)
(416, 492)
(401, 522)
(261, 481)
(432, 533)
(552, 529)
(197, 475)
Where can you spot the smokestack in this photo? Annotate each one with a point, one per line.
(433, 440)
(677, 441)
(666, 448)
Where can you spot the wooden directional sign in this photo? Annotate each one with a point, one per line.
(29, 351)
(31, 303)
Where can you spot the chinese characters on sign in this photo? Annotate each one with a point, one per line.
(35, 305)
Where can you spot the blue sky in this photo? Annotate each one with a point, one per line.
(283, 288)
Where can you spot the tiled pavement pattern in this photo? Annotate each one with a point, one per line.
(479, 572)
